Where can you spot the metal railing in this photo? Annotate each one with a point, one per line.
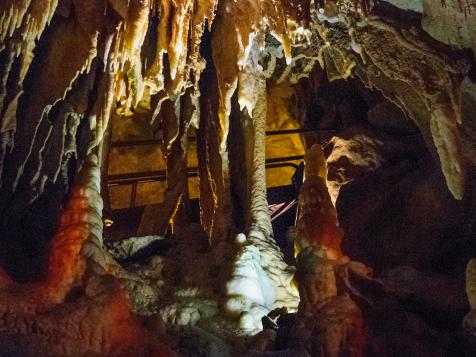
(135, 178)
(155, 141)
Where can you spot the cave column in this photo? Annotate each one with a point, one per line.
(258, 217)
(260, 280)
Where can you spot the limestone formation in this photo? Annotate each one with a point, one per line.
(329, 322)
(213, 104)
(98, 319)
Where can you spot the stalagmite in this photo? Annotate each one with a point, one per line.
(35, 313)
(329, 322)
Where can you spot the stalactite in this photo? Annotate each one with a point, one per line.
(177, 175)
(6, 140)
(70, 54)
(6, 69)
(12, 14)
(179, 33)
(176, 118)
(239, 25)
(54, 153)
(215, 205)
(101, 111)
(21, 24)
(135, 26)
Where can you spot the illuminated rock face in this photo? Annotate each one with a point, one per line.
(98, 320)
(215, 75)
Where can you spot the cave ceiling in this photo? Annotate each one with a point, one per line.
(143, 53)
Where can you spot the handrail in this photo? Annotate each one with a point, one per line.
(161, 175)
(153, 176)
(156, 141)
